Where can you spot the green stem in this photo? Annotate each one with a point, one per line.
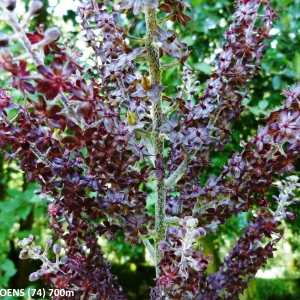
(157, 139)
(169, 66)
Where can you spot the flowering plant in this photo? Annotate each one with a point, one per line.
(93, 135)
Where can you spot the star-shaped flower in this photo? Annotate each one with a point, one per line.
(137, 5)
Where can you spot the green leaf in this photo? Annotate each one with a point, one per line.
(263, 104)
(287, 2)
(204, 67)
(219, 161)
(12, 113)
(254, 110)
(297, 65)
(39, 211)
(8, 206)
(188, 40)
(242, 219)
(35, 199)
(24, 211)
(8, 266)
(276, 82)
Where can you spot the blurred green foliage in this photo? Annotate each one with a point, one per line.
(279, 289)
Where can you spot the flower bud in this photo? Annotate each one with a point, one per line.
(37, 250)
(201, 266)
(71, 45)
(161, 52)
(10, 4)
(114, 55)
(131, 118)
(173, 230)
(34, 276)
(31, 239)
(187, 252)
(56, 248)
(36, 7)
(49, 243)
(40, 273)
(291, 216)
(164, 246)
(140, 111)
(27, 241)
(24, 254)
(146, 83)
(127, 49)
(199, 232)
(52, 34)
(189, 222)
(4, 39)
(44, 196)
(64, 259)
(181, 233)
(263, 203)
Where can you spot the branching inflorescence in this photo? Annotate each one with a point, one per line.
(92, 141)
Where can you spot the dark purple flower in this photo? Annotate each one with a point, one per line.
(19, 80)
(105, 22)
(245, 46)
(107, 49)
(38, 36)
(262, 137)
(270, 15)
(169, 42)
(56, 78)
(112, 71)
(109, 230)
(245, 13)
(5, 100)
(176, 8)
(173, 128)
(291, 95)
(237, 164)
(137, 5)
(213, 87)
(172, 206)
(291, 216)
(230, 34)
(151, 93)
(197, 137)
(203, 108)
(224, 59)
(114, 202)
(287, 126)
(238, 74)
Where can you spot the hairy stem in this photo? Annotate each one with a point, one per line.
(157, 139)
(13, 22)
(31, 51)
(179, 172)
(169, 66)
(165, 19)
(136, 39)
(148, 246)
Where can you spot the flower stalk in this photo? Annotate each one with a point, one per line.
(157, 118)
